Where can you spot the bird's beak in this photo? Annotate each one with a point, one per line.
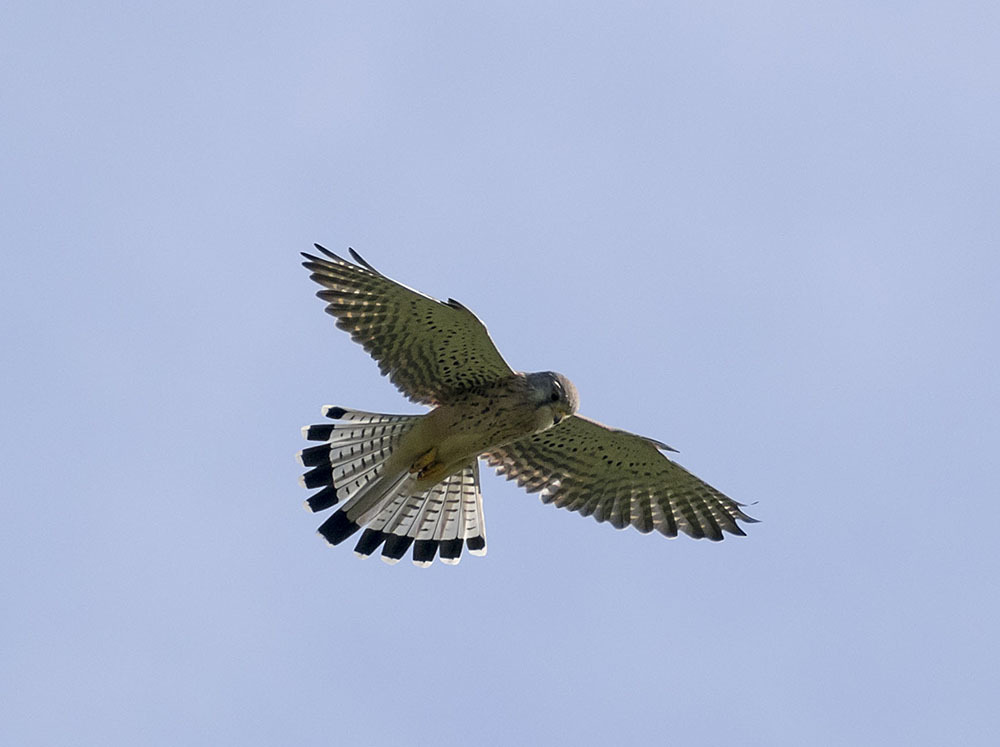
(559, 413)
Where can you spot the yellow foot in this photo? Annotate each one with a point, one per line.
(432, 472)
(424, 462)
(427, 467)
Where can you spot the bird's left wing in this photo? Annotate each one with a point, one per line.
(618, 477)
(430, 349)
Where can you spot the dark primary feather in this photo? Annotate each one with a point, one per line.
(357, 258)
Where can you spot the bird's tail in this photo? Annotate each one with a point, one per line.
(349, 466)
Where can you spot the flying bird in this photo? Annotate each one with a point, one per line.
(413, 480)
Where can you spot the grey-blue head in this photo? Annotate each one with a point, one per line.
(554, 391)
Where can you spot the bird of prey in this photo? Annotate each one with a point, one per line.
(413, 480)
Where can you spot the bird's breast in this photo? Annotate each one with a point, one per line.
(478, 423)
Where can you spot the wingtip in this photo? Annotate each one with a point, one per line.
(331, 257)
(361, 260)
(662, 446)
(743, 516)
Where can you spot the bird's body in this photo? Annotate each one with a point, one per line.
(414, 479)
(456, 433)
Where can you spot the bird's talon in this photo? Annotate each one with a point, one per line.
(424, 463)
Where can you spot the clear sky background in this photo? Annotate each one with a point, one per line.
(765, 233)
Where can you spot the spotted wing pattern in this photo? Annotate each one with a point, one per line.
(618, 477)
(431, 350)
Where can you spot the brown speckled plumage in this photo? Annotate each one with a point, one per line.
(414, 480)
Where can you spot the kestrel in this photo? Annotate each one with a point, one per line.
(414, 479)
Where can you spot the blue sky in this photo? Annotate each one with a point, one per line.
(766, 234)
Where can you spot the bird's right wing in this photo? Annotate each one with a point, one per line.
(431, 350)
(618, 477)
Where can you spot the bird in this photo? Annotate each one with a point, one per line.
(413, 480)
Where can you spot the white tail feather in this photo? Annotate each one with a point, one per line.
(350, 463)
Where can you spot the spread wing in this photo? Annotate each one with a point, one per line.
(431, 350)
(619, 477)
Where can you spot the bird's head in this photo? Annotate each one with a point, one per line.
(555, 396)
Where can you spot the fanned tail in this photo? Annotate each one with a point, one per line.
(349, 467)
(351, 458)
(439, 520)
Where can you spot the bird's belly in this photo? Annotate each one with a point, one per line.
(453, 437)
(459, 448)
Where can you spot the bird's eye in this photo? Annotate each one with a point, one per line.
(555, 396)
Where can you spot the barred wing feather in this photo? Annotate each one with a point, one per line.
(618, 477)
(431, 350)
